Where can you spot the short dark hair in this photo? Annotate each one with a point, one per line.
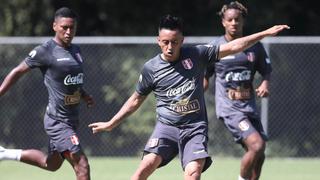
(65, 12)
(233, 5)
(171, 22)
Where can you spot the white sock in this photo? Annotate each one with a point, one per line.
(11, 154)
(241, 178)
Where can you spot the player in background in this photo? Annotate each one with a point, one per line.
(176, 78)
(61, 65)
(235, 94)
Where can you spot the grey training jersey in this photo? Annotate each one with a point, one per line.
(63, 77)
(235, 72)
(178, 86)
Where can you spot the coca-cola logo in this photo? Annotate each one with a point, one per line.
(189, 85)
(73, 80)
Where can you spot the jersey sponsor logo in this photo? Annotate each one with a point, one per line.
(154, 142)
(63, 59)
(33, 53)
(185, 106)
(188, 86)
(238, 76)
(187, 63)
(74, 140)
(73, 80)
(79, 57)
(251, 56)
(244, 126)
(72, 99)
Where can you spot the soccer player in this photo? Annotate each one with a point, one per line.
(234, 93)
(176, 78)
(61, 65)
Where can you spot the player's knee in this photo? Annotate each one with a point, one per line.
(194, 169)
(193, 172)
(53, 167)
(257, 147)
(82, 169)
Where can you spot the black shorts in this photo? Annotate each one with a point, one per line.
(62, 137)
(189, 141)
(241, 126)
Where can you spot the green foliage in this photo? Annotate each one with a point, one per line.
(22, 18)
(112, 18)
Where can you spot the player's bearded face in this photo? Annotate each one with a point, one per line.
(170, 42)
(65, 29)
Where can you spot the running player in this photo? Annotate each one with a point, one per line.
(176, 78)
(61, 65)
(234, 94)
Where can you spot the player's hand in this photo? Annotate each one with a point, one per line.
(89, 100)
(101, 126)
(276, 29)
(262, 91)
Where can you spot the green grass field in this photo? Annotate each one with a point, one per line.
(122, 168)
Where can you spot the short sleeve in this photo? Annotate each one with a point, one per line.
(212, 54)
(37, 58)
(145, 83)
(263, 65)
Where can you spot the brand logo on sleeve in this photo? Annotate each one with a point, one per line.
(33, 53)
(79, 57)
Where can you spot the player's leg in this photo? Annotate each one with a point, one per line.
(148, 165)
(249, 133)
(51, 162)
(258, 167)
(194, 169)
(193, 150)
(161, 148)
(64, 139)
(255, 146)
(33, 157)
(79, 163)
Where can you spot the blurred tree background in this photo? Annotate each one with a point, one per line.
(140, 17)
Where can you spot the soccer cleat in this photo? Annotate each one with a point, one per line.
(2, 150)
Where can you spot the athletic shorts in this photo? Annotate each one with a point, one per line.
(241, 126)
(62, 137)
(189, 141)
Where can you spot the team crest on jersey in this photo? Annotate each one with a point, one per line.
(79, 57)
(153, 142)
(251, 57)
(74, 139)
(244, 126)
(187, 63)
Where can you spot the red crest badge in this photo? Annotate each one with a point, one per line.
(187, 63)
(74, 139)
